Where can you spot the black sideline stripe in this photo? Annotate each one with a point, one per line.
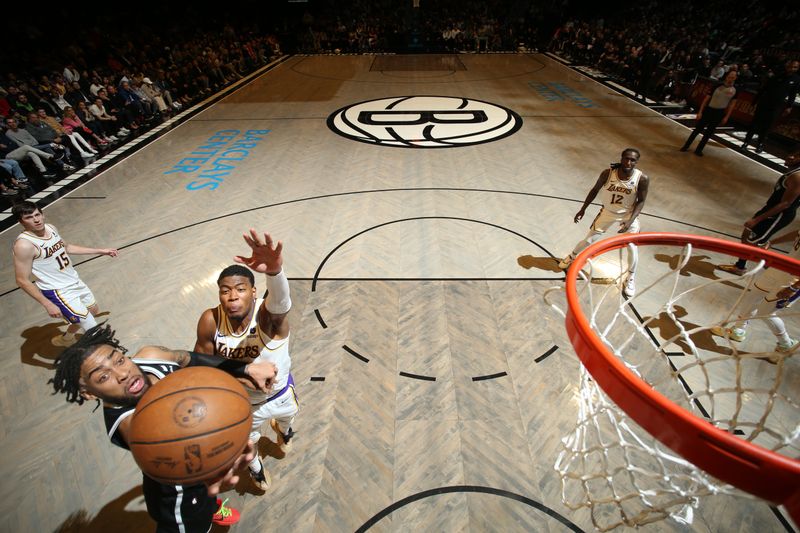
(317, 378)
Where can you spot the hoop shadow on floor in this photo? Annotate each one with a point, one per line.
(667, 328)
(698, 265)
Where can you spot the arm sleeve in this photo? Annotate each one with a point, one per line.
(232, 367)
(278, 302)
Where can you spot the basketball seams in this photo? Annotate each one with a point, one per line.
(181, 391)
(193, 436)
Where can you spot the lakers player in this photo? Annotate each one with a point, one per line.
(623, 191)
(40, 251)
(247, 328)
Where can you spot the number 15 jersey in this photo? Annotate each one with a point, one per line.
(619, 196)
(51, 264)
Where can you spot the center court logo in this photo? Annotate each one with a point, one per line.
(424, 122)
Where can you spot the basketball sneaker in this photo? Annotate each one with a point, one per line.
(734, 334)
(564, 263)
(732, 269)
(262, 479)
(629, 287)
(225, 516)
(786, 347)
(284, 441)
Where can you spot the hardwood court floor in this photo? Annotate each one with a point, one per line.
(418, 326)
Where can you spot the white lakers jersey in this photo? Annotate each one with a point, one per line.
(51, 264)
(773, 279)
(253, 344)
(619, 196)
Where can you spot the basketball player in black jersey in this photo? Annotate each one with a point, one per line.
(779, 211)
(96, 368)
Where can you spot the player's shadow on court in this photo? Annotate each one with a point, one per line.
(112, 517)
(667, 329)
(38, 349)
(542, 263)
(698, 265)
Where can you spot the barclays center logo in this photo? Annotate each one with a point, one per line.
(424, 122)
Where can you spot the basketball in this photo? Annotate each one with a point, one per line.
(190, 426)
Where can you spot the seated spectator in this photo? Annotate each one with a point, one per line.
(16, 179)
(76, 94)
(23, 137)
(57, 98)
(23, 105)
(116, 106)
(93, 123)
(44, 132)
(22, 153)
(111, 124)
(131, 101)
(152, 93)
(72, 124)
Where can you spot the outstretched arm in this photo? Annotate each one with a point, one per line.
(266, 257)
(261, 373)
(592, 194)
(76, 249)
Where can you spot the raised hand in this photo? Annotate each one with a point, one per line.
(265, 257)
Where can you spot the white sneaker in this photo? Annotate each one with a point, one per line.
(262, 479)
(112, 138)
(788, 347)
(629, 287)
(734, 334)
(565, 263)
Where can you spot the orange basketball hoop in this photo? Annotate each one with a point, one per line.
(697, 408)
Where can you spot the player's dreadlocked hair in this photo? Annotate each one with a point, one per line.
(68, 364)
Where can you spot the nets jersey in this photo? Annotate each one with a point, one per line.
(777, 194)
(619, 196)
(773, 279)
(51, 264)
(180, 508)
(115, 415)
(253, 344)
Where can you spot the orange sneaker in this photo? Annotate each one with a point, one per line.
(225, 516)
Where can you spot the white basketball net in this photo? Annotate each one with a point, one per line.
(617, 470)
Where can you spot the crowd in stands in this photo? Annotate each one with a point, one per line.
(58, 117)
(433, 26)
(661, 48)
(61, 109)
